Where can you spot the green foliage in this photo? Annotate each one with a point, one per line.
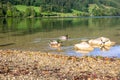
(33, 8)
(40, 9)
(21, 8)
(27, 12)
(1, 13)
(1, 5)
(1, 10)
(9, 5)
(9, 13)
(33, 13)
(30, 12)
(16, 13)
(8, 10)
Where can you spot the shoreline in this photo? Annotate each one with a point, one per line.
(67, 17)
(29, 65)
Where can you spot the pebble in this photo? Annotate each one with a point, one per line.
(27, 65)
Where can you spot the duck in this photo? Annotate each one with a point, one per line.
(63, 38)
(55, 44)
(109, 43)
(83, 46)
(102, 41)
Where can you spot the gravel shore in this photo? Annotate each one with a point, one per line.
(27, 65)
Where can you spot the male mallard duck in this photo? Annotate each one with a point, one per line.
(63, 38)
(109, 43)
(102, 41)
(55, 44)
(83, 46)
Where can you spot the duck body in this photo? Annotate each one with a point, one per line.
(63, 38)
(55, 44)
(109, 43)
(102, 41)
(83, 46)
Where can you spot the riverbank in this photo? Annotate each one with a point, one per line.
(27, 65)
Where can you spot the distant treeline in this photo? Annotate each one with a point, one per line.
(8, 10)
(88, 7)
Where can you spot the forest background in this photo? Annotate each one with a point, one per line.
(59, 8)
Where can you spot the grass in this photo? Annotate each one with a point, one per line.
(23, 8)
(74, 13)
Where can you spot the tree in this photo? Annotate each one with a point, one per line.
(32, 12)
(9, 10)
(40, 9)
(9, 13)
(16, 13)
(27, 12)
(9, 5)
(1, 10)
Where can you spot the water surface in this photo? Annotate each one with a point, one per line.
(35, 33)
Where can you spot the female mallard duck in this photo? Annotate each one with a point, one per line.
(55, 44)
(63, 38)
(83, 46)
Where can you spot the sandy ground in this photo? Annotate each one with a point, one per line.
(27, 65)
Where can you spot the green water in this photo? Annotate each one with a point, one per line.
(35, 33)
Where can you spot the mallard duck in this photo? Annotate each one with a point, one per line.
(55, 44)
(109, 43)
(83, 46)
(102, 41)
(63, 38)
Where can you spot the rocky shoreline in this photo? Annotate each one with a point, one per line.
(28, 65)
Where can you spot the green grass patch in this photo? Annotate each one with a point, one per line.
(23, 8)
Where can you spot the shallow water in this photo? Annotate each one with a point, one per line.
(113, 52)
(34, 34)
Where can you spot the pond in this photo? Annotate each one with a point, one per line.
(35, 33)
